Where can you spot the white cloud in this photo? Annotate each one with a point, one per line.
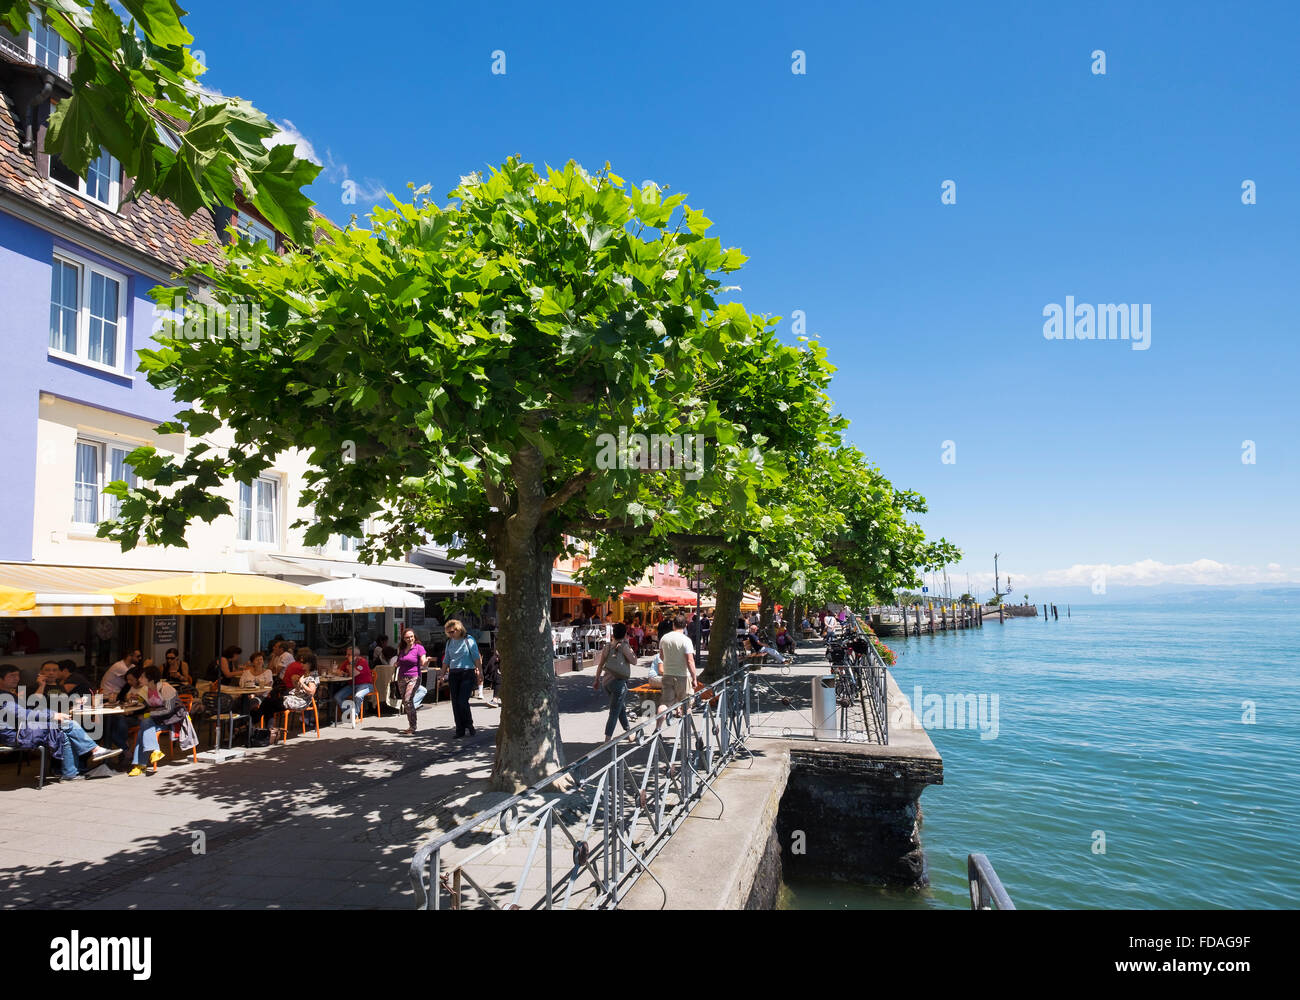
(289, 135)
(369, 191)
(1143, 573)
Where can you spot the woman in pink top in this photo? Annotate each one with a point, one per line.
(410, 658)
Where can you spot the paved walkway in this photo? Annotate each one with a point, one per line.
(329, 823)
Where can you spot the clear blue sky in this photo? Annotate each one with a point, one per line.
(1117, 188)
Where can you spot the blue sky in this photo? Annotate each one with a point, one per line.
(1123, 187)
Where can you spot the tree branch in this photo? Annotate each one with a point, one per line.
(568, 490)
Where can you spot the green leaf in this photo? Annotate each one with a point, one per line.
(160, 20)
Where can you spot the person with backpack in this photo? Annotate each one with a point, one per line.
(616, 661)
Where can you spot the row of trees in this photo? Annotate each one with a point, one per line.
(486, 348)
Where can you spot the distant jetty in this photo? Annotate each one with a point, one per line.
(942, 616)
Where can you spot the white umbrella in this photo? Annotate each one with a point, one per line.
(355, 594)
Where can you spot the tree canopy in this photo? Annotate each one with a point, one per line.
(490, 349)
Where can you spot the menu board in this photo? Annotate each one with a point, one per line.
(165, 630)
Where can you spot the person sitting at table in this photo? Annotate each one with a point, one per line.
(111, 683)
(363, 683)
(303, 692)
(761, 652)
(26, 729)
(24, 640)
(231, 667)
(133, 688)
(161, 704)
(176, 671)
(72, 681)
(304, 662)
(47, 680)
(286, 657)
(256, 674)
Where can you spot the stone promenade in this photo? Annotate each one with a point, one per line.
(329, 823)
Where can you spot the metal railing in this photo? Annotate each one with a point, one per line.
(986, 891)
(583, 835)
(872, 676)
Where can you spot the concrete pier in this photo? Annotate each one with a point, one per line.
(801, 807)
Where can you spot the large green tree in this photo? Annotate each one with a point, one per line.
(483, 349)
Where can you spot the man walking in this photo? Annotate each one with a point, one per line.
(678, 666)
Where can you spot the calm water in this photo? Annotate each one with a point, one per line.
(1125, 720)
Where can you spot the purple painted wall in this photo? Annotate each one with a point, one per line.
(26, 255)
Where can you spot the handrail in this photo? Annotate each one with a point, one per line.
(986, 890)
(873, 680)
(630, 828)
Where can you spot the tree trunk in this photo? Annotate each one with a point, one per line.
(722, 639)
(528, 740)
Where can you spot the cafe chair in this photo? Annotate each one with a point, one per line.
(172, 735)
(379, 712)
(219, 708)
(302, 716)
(20, 754)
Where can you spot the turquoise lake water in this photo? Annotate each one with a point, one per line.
(1126, 720)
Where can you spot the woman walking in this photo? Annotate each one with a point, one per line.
(616, 661)
(410, 658)
(463, 665)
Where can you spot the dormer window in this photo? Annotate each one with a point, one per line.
(253, 230)
(47, 47)
(102, 183)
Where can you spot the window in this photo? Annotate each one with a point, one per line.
(85, 503)
(259, 510)
(102, 182)
(352, 543)
(97, 465)
(47, 46)
(87, 312)
(252, 230)
(118, 468)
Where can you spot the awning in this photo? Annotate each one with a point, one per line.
(69, 591)
(400, 574)
(644, 595)
(676, 595)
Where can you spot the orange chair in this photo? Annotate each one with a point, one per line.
(188, 701)
(379, 711)
(302, 714)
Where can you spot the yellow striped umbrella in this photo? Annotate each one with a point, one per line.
(16, 599)
(213, 593)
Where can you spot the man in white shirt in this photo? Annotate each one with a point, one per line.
(115, 677)
(286, 658)
(678, 657)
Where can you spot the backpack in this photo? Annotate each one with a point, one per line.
(614, 662)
